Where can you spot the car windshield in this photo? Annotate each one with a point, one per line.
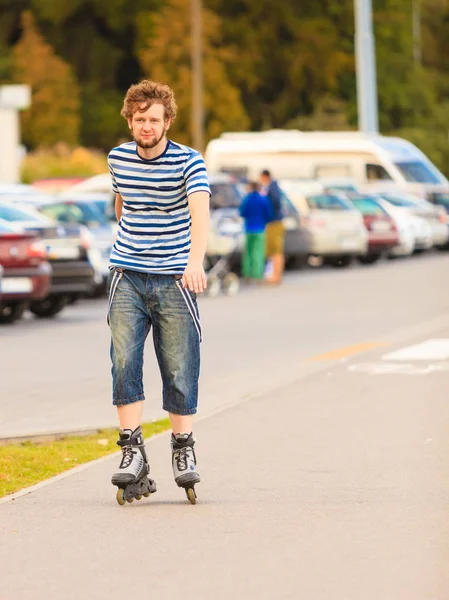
(368, 206)
(328, 202)
(400, 201)
(224, 195)
(82, 213)
(288, 209)
(441, 199)
(12, 213)
(340, 187)
(417, 172)
(6, 227)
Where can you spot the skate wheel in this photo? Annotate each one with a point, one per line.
(130, 500)
(213, 286)
(119, 496)
(138, 497)
(231, 284)
(146, 494)
(190, 492)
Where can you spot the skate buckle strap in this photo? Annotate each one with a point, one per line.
(130, 442)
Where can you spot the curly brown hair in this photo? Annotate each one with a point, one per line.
(148, 93)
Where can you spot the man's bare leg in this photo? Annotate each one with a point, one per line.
(130, 415)
(180, 423)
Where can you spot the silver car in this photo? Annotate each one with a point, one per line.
(336, 227)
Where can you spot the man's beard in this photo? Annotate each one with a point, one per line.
(149, 143)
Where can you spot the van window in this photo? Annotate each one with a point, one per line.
(417, 172)
(239, 173)
(337, 170)
(328, 202)
(377, 173)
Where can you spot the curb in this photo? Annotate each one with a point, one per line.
(40, 438)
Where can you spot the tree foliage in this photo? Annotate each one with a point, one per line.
(54, 113)
(266, 64)
(166, 56)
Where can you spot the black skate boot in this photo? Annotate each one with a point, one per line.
(131, 477)
(184, 463)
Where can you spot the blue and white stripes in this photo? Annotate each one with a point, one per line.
(154, 231)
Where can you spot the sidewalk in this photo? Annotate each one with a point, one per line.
(331, 488)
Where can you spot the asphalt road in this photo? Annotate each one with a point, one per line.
(55, 375)
(322, 445)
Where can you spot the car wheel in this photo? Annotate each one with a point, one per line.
(339, 261)
(49, 307)
(12, 312)
(368, 259)
(300, 261)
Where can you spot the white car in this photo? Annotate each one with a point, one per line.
(435, 216)
(414, 233)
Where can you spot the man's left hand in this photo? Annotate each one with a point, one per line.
(194, 278)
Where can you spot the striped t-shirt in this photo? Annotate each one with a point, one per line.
(154, 231)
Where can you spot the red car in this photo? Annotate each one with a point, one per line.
(382, 231)
(25, 274)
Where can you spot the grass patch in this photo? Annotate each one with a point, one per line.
(28, 463)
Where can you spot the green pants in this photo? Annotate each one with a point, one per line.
(253, 264)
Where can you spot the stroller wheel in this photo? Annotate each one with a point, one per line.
(213, 286)
(231, 284)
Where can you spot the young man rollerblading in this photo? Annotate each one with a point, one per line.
(156, 272)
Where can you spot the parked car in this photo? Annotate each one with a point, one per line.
(298, 239)
(441, 199)
(83, 211)
(336, 228)
(25, 272)
(67, 250)
(339, 184)
(408, 225)
(382, 230)
(435, 216)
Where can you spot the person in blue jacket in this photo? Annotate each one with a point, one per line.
(256, 212)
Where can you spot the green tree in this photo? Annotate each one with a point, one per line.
(54, 113)
(330, 114)
(291, 54)
(166, 57)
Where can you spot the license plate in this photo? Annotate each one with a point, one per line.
(16, 285)
(348, 244)
(63, 252)
(380, 226)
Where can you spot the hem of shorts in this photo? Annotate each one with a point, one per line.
(125, 401)
(182, 413)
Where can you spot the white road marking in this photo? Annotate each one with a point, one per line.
(435, 349)
(397, 368)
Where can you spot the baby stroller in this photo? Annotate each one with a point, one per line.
(224, 246)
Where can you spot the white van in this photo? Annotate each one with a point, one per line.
(372, 161)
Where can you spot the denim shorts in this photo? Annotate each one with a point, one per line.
(138, 303)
